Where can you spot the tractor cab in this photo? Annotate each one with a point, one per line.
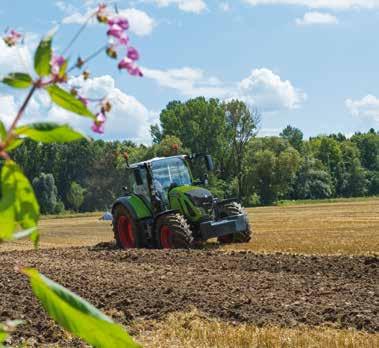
(153, 180)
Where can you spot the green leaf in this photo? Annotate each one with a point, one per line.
(18, 80)
(43, 57)
(77, 315)
(14, 144)
(3, 130)
(48, 132)
(68, 101)
(18, 204)
(3, 337)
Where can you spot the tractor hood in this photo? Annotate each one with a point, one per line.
(199, 199)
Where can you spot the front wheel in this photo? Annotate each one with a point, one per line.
(125, 229)
(231, 209)
(173, 232)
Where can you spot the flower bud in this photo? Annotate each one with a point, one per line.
(111, 52)
(86, 75)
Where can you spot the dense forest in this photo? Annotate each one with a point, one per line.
(88, 175)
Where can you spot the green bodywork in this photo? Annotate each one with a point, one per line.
(139, 207)
(179, 201)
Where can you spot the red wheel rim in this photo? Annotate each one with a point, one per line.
(166, 237)
(125, 233)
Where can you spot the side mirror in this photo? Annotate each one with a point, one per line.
(209, 163)
(138, 176)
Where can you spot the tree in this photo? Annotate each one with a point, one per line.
(313, 181)
(201, 125)
(75, 196)
(242, 124)
(156, 133)
(270, 169)
(46, 193)
(355, 182)
(328, 151)
(368, 145)
(294, 136)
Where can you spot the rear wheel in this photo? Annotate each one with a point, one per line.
(231, 209)
(125, 229)
(173, 232)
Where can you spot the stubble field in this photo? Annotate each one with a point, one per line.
(308, 278)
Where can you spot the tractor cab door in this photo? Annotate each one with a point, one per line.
(137, 184)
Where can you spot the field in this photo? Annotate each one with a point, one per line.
(308, 279)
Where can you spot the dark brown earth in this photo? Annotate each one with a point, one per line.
(275, 289)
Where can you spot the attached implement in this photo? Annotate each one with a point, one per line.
(162, 208)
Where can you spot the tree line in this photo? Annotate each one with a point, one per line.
(88, 175)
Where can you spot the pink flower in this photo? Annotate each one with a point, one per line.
(135, 71)
(129, 65)
(56, 63)
(12, 38)
(101, 13)
(101, 8)
(120, 21)
(98, 125)
(125, 63)
(15, 34)
(117, 32)
(132, 53)
(98, 128)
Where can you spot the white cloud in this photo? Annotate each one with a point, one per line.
(188, 81)
(224, 6)
(194, 6)
(311, 18)
(327, 4)
(8, 109)
(261, 88)
(128, 119)
(140, 22)
(366, 108)
(14, 59)
(269, 92)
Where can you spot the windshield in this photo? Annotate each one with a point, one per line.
(170, 171)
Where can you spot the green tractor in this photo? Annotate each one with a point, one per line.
(162, 207)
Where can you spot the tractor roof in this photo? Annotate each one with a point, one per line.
(155, 159)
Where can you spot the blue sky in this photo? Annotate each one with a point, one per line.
(312, 64)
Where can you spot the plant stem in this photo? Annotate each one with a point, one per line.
(20, 113)
(77, 35)
(90, 57)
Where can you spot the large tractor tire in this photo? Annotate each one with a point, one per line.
(173, 232)
(230, 209)
(125, 229)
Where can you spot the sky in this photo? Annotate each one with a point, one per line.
(312, 64)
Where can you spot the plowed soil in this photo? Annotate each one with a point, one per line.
(262, 289)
